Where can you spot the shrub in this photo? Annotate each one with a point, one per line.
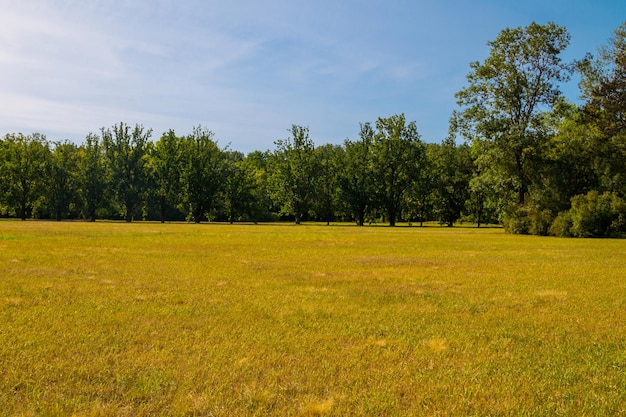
(562, 225)
(592, 215)
(528, 219)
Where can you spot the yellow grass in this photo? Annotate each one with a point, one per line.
(219, 320)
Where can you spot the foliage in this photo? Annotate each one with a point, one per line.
(293, 172)
(165, 167)
(127, 154)
(452, 169)
(420, 199)
(592, 215)
(24, 174)
(326, 186)
(202, 174)
(356, 179)
(240, 188)
(63, 182)
(603, 84)
(94, 177)
(397, 155)
(507, 94)
(530, 218)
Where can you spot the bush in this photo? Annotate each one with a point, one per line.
(528, 219)
(592, 215)
(562, 225)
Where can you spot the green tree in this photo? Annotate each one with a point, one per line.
(93, 176)
(356, 178)
(165, 167)
(240, 197)
(452, 166)
(326, 194)
(506, 96)
(24, 171)
(257, 162)
(573, 148)
(419, 204)
(397, 150)
(292, 173)
(603, 85)
(63, 186)
(126, 151)
(202, 173)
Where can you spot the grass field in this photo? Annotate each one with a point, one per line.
(202, 320)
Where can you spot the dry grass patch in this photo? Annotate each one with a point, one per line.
(182, 319)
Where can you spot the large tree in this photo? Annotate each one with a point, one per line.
(325, 200)
(239, 190)
(292, 173)
(202, 171)
(126, 151)
(419, 202)
(356, 178)
(24, 171)
(507, 94)
(452, 166)
(93, 176)
(63, 182)
(603, 86)
(397, 152)
(165, 167)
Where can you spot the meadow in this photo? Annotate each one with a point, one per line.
(146, 319)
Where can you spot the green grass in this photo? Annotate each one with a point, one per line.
(181, 319)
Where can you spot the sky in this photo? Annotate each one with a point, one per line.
(248, 69)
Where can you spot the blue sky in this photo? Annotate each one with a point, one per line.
(248, 70)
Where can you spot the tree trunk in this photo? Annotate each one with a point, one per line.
(360, 219)
(391, 212)
(522, 186)
(23, 211)
(162, 209)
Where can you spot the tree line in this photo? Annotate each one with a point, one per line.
(517, 154)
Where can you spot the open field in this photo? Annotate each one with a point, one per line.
(182, 319)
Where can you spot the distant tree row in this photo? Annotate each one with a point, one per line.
(388, 174)
(529, 159)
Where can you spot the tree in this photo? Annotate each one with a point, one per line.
(257, 163)
(165, 167)
(63, 180)
(202, 173)
(507, 94)
(419, 200)
(397, 150)
(356, 179)
(24, 171)
(93, 176)
(292, 173)
(127, 154)
(603, 85)
(240, 184)
(325, 198)
(452, 166)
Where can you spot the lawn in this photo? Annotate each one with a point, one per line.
(149, 319)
